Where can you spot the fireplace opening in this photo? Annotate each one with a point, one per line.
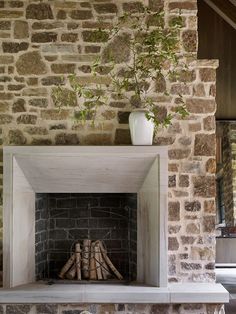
(65, 219)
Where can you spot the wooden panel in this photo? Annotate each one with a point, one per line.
(219, 42)
(225, 8)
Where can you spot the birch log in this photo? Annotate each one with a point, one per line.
(109, 263)
(104, 268)
(85, 258)
(97, 261)
(78, 260)
(92, 264)
(67, 266)
(72, 272)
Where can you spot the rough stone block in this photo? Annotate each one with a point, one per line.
(122, 137)
(10, 14)
(61, 15)
(6, 59)
(21, 30)
(172, 181)
(183, 181)
(52, 80)
(69, 37)
(199, 105)
(47, 309)
(95, 36)
(204, 145)
(46, 25)
(63, 68)
(16, 137)
(189, 38)
(97, 139)
(174, 211)
(199, 90)
(18, 309)
(190, 266)
(30, 63)
(178, 153)
(66, 139)
(183, 5)
(92, 49)
(105, 8)
(117, 51)
(193, 228)
(204, 186)
(27, 119)
(36, 130)
(44, 37)
(209, 206)
(173, 244)
(38, 102)
(209, 224)
(4, 107)
(39, 11)
(156, 5)
(186, 240)
(81, 14)
(133, 7)
(40, 92)
(54, 114)
(5, 25)
(207, 75)
(5, 119)
(209, 123)
(193, 206)
(211, 166)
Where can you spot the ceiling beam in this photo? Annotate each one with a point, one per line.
(226, 9)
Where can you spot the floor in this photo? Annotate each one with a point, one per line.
(227, 276)
(231, 307)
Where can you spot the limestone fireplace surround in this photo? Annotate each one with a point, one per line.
(91, 169)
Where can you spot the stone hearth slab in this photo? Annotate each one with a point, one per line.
(81, 293)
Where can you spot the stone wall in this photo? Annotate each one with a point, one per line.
(42, 41)
(108, 308)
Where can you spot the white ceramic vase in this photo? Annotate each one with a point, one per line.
(141, 129)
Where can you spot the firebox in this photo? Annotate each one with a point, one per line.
(64, 220)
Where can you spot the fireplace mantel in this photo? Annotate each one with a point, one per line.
(84, 169)
(141, 170)
(87, 169)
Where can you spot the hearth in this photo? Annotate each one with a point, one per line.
(65, 219)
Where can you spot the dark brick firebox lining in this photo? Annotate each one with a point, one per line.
(63, 219)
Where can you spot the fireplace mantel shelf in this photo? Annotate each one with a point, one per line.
(141, 170)
(98, 293)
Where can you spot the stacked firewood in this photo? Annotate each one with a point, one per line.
(90, 262)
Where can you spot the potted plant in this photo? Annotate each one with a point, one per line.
(154, 58)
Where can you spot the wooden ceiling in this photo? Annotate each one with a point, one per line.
(217, 40)
(225, 8)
